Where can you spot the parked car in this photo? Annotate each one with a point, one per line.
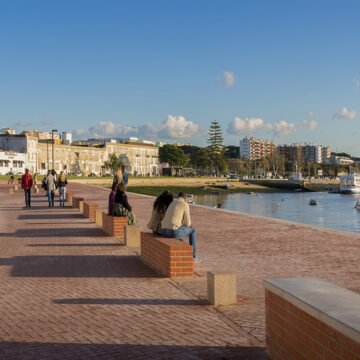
(92, 174)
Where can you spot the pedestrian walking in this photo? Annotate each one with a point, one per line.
(26, 184)
(51, 186)
(61, 184)
(125, 176)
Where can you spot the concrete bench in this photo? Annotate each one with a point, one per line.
(114, 225)
(89, 210)
(168, 256)
(76, 201)
(99, 216)
(69, 196)
(311, 319)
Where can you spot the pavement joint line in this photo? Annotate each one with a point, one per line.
(216, 311)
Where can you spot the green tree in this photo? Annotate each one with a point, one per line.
(216, 146)
(231, 152)
(173, 155)
(114, 163)
(200, 159)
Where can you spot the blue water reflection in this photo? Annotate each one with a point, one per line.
(333, 210)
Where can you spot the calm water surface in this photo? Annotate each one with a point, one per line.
(333, 210)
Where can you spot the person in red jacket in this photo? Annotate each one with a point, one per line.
(26, 184)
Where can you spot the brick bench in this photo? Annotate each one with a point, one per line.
(310, 318)
(69, 196)
(168, 256)
(114, 225)
(89, 210)
(76, 201)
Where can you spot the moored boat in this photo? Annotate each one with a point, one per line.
(350, 184)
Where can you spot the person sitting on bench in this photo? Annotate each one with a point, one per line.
(177, 222)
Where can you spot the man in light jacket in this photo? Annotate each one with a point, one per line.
(177, 222)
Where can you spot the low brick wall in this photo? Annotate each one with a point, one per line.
(169, 256)
(311, 319)
(76, 201)
(114, 225)
(89, 210)
(69, 196)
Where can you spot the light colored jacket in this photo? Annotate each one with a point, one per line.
(51, 182)
(155, 221)
(177, 214)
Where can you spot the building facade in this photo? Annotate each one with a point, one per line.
(311, 153)
(255, 149)
(42, 155)
(12, 162)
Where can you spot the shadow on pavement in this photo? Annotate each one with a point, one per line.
(50, 216)
(115, 244)
(57, 232)
(98, 266)
(49, 351)
(131, 301)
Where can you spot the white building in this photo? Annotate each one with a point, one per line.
(12, 162)
(340, 160)
(66, 138)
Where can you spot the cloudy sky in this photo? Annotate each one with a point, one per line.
(282, 70)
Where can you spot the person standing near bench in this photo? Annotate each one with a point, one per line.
(177, 222)
(26, 184)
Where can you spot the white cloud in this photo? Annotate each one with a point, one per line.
(283, 128)
(311, 114)
(174, 127)
(46, 121)
(311, 125)
(226, 78)
(344, 114)
(251, 126)
(247, 126)
(177, 127)
(21, 124)
(356, 81)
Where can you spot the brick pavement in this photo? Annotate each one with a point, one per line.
(68, 291)
(256, 248)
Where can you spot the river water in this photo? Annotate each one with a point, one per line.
(333, 210)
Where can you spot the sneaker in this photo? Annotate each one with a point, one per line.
(196, 259)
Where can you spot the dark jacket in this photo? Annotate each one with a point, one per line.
(62, 183)
(121, 198)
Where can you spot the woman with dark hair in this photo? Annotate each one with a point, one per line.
(122, 207)
(112, 197)
(161, 204)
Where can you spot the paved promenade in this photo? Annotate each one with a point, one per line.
(68, 291)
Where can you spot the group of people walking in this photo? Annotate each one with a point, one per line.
(50, 183)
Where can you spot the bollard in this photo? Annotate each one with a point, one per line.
(16, 187)
(98, 216)
(11, 191)
(81, 206)
(221, 288)
(132, 236)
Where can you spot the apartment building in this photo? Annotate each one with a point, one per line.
(12, 162)
(255, 149)
(311, 153)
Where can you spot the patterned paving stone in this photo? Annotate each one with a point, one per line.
(68, 291)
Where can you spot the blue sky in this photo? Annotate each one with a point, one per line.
(282, 70)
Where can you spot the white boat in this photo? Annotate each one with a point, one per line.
(190, 199)
(350, 184)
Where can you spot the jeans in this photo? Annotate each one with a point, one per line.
(182, 232)
(62, 191)
(51, 196)
(27, 196)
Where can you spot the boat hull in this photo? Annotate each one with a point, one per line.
(349, 191)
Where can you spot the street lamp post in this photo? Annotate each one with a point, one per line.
(52, 144)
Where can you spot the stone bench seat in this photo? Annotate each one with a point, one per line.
(76, 201)
(89, 210)
(168, 256)
(114, 225)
